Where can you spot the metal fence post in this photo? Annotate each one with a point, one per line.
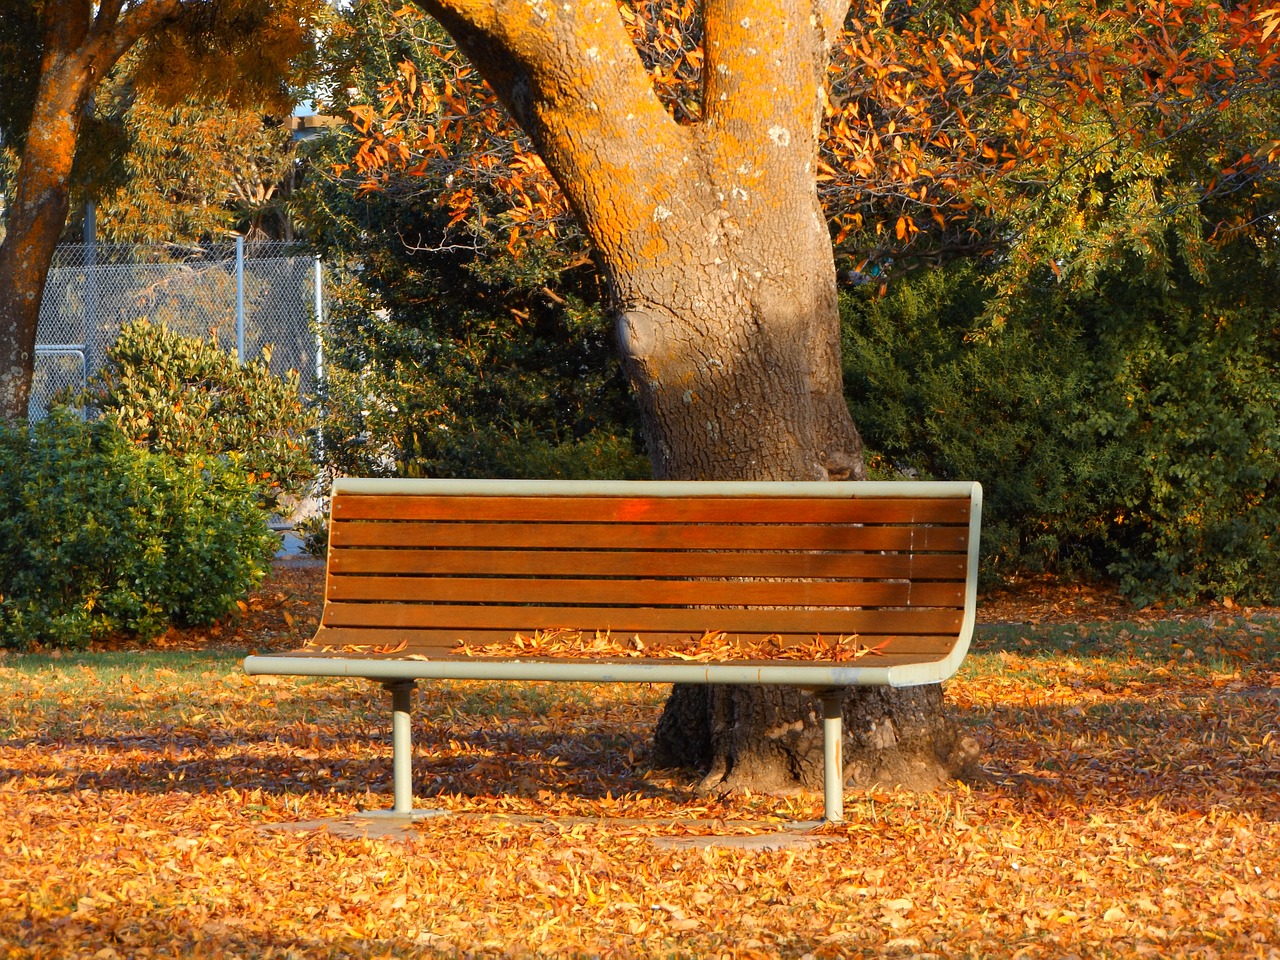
(89, 334)
(240, 298)
(319, 306)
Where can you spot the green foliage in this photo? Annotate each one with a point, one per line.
(1111, 370)
(461, 377)
(935, 405)
(446, 353)
(98, 535)
(1198, 395)
(1129, 431)
(190, 399)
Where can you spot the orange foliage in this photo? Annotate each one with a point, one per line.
(936, 126)
(709, 648)
(574, 645)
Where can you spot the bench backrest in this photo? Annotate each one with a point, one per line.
(424, 565)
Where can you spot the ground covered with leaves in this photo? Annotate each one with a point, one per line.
(1127, 805)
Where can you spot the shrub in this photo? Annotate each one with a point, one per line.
(1131, 431)
(190, 399)
(1197, 400)
(98, 535)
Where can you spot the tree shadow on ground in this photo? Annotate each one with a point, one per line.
(1187, 751)
(586, 764)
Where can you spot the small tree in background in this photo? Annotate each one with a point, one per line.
(185, 173)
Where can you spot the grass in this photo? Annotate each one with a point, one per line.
(1127, 806)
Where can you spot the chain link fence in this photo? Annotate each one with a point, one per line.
(245, 296)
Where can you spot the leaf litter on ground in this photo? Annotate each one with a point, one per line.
(1126, 806)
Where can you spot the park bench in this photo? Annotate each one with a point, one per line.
(822, 586)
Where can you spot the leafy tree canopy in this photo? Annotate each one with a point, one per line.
(188, 172)
(243, 52)
(1057, 136)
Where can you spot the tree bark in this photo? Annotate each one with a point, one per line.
(722, 279)
(770, 740)
(39, 210)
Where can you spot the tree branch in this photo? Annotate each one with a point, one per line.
(573, 80)
(108, 13)
(757, 72)
(111, 39)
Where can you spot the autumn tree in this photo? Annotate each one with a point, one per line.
(720, 276)
(56, 53)
(1055, 137)
(1108, 367)
(942, 131)
(189, 172)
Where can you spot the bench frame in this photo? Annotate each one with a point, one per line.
(828, 681)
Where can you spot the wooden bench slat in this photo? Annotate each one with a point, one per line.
(439, 642)
(623, 563)
(638, 619)
(515, 590)
(641, 536)
(652, 509)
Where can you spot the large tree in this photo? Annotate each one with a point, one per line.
(998, 131)
(721, 279)
(56, 53)
(714, 245)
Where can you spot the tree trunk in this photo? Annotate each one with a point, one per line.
(739, 388)
(36, 219)
(721, 273)
(770, 739)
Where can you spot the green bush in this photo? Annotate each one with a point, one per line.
(98, 535)
(190, 399)
(934, 404)
(1197, 399)
(1129, 432)
(439, 365)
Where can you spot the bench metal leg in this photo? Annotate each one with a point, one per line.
(402, 744)
(832, 754)
(402, 809)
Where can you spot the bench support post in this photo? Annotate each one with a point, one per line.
(402, 744)
(832, 754)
